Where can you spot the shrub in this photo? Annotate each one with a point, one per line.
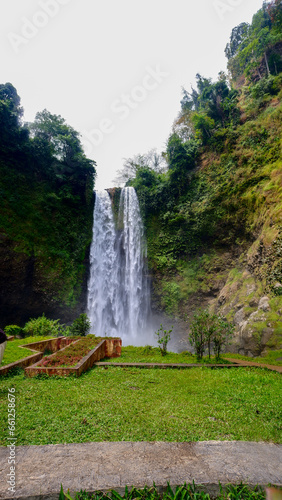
(42, 326)
(163, 339)
(207, 328)
(263, 87)
(222, 333)
(148, 349)
(80, 327)
(13, 330)
(187, 353)
(197, 335)
(171, 296)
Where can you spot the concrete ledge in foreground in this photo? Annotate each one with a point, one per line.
(40, 470)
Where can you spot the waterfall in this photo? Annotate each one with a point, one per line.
(118, 288)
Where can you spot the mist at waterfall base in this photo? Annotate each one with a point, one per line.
(119, 289)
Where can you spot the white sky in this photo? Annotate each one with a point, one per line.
(83, 60)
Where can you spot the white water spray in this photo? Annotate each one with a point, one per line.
(118, 288)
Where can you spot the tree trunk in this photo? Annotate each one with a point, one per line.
(266, 62)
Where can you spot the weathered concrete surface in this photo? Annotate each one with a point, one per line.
(40, 470)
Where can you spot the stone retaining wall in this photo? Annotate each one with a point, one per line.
(106, 348)
(52, 345)
(22, 363)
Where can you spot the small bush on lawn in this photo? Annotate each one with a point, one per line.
(163, 339)
(43, 326)
(80, 327)
(208, 330)
(13, 330)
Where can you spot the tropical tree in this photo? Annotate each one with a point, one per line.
(209, 328)
(197, 333)
(221, 335)
(238, 36)
(252, 49)
(61, 142)
(152, 161)
(182, 158)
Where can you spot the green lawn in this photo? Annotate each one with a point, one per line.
(131, 354)
(131, 404)
(14, 352)
(148, 354)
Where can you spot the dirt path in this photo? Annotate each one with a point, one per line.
(257, 365)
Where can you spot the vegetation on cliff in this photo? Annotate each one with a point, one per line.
(46, 188)
(213, 218)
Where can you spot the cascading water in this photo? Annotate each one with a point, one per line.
(118, 288)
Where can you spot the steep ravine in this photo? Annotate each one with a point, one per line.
(228, 224)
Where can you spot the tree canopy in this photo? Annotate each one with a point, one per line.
(254, 50)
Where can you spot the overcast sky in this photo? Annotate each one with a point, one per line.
(114, 68)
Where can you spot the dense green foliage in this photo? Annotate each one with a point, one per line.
(208, 329)
(80, 326)
(198, 404)
(46, 187)
(221, 191)
(183, 492)
(43, 326)
(255, 49)
(13, 330)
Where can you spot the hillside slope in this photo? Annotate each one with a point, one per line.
(46, 187)
(221, 244)
(213, 219)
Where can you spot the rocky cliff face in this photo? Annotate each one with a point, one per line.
(252, 297)
(244, 288)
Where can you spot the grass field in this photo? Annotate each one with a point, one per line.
(148, 354)
(131, 404)
(145, 354)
